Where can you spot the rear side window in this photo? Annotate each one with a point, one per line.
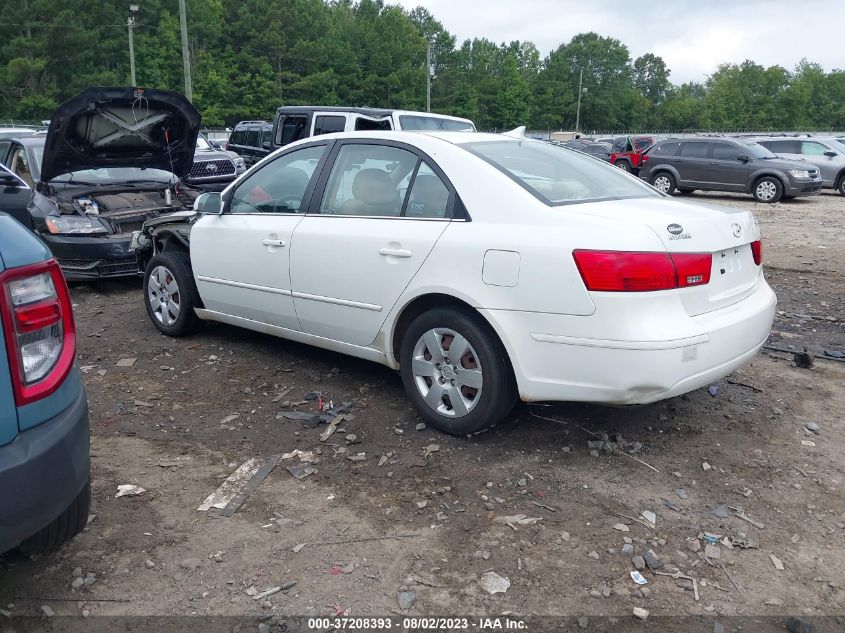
(329, 124)
(291, 128)
(667, 149)
(694, 150)
(429, 196)
(252, 137)
(417, 122)
(781, 147)
(369, 180)
(362, 123)
(725, 151)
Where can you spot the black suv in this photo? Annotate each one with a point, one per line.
(727, 164)
(251, 140)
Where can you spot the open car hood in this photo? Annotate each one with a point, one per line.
(121, 127)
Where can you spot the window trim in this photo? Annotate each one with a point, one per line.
(455, 209)
(309, 190)
(712, 150)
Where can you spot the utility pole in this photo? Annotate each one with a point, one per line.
(186, 55)
(578, 111)
(130, 23)
(428, 79)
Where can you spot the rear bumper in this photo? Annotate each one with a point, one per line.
(84, 258)
(42, 471)
(651, 352)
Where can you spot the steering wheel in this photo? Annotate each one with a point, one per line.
(281, 205)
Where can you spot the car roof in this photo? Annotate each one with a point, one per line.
(366, 111)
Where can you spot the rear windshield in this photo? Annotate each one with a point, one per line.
(416, 122)
(557, 175)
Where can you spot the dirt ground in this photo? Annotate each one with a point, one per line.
(423, 513)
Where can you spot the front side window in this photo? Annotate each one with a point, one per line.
(724, 151)
(329, 124)
(369, 180)
(278, 187)
(291, 128)
(265, 137)
(694, 150)
(557, 175)
(811, 148)
(781, 147)
(252, 137)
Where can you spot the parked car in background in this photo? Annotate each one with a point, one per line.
(213, 168)
(627, 151)
(251, 140)
(14, 196)
(726, 164)
(15, 132)
(44, 447)
(102, 169)
(441, 279)
(293, 123)
(827, 154)
(599, 150)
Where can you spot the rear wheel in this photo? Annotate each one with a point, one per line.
(768, 189)
(456, 371)
(840, 186)
(684, 191)
(171, 294)
(624, 165)
(664, 182)
(64, 528)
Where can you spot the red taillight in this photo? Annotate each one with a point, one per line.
(38, 328)
(757, 251)
(621, 271)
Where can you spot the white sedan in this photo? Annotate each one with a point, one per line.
(487, 269)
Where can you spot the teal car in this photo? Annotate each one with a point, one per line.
(44, 439)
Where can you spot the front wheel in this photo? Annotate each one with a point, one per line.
(664, 182)
(768, 189)
(171, 294)
(456, 371)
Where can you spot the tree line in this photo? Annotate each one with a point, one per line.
(250, 56)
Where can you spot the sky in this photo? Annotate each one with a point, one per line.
(692, 36)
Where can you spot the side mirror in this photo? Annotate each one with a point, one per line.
(830, 153)
(10, 180)
(266, 145)
(209, 203)
(215, 144)
(743, 158)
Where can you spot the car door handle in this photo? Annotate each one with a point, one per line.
(269, 242)
(395, 252)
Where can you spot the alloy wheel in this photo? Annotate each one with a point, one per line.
(447, 372)
(766, 190)
(164, 296)
(662, 184)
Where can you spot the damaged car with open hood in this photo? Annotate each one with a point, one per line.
(111, 159)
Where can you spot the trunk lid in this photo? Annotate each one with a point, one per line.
(723, 232)
(121, 127)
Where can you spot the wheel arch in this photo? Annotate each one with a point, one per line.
(756, 176)
(667, 168)
(837, 182)
(420, 303)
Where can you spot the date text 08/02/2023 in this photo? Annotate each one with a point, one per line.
(418, 624)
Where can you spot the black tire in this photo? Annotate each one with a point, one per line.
(623, 164)
(768, 189)
(684, 191)
(69, 524)
(666, 180)
(497, 395)
(840, 186)
(178, 266)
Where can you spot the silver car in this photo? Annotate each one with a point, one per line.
(828, 154)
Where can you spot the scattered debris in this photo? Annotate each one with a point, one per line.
(807, 443)
(250, 486)
(713, 389)
(804, 360)
(740, 513)
(297, 548)
(682, 494)
(420, 427)
(627, 550)
(518, 519)
(813, 428)
(621, 527)
(304, 456)
(638, 562)
(301, 470)
(638, 578)
(266, 592)
(640, 613)
(406, 599)
(712, 551)
(128, 490)
(431, 448)
(126, 362)
(422, 504)
(706, 466)
(649, 516)
(776, 562)
(493, 583)
(231, 486)
(331, 428)
(694, 545)
(720, 511)
(652, 560)
(230, 418)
